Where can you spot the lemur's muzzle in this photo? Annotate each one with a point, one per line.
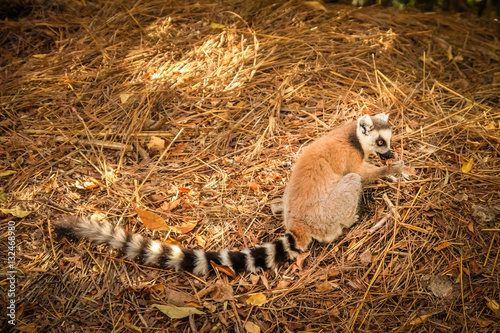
(385, 156)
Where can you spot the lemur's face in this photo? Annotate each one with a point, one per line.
(374, 135)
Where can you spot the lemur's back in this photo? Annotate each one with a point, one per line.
(322, 164)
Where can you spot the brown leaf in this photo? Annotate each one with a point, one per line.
(441, 286)
(170, 206)
(176, 312)
(254, 278)
(315, 5)
(26, 328)
(184, 189)
(366, 258)
(257, 299)
(220, 292)
(16, 211)
(333, 272)
(200, 240)
(263, 278)
(159, 287)
(185, 227)
(441, 246)
(420, 319)
(283, 284)
(300, 259)
(210, 306)
(470, 226)
(324, 286)
(251, 327)
(482, 322)
(254, 187)
(178, 298)
(156, 143)
(474, 266)
(467, 166)
(171, 241)
(151, 220)
(7, 173)
(355, 285)
(224, 269)
(493, 305)
(351, 256)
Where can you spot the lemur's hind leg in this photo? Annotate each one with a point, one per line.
(340, 207)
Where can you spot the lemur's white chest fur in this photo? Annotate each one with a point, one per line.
(320, 199)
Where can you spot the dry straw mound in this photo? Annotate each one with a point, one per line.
(233, 90)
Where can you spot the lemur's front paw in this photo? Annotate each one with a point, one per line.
(398, 166)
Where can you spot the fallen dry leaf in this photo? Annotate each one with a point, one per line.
(333, 272)
(200, 240)
(441, 286)
(156, 143)
(224, 269)
(184, 189)
(7, 173)
(324, 286)
(184, 227)
(217, 25)
(254, 278)
(257, 299)
(441, 246)
(176, 312)
(251, 327)
(170, 206)
(493, 305)
(124, 97)
(264, 281)
(254, 187)
(467, 166)
(283, 284)
(470, 226)
(28, 328)
(300, 259)
(482, 322)
(366, 258)
(151, 220)
(171, 241)
(315, 5)
(220, 292)
(178, 298)
(16, 211)
(367, 111)
(474, 266)
(419, 319)
(159, 287)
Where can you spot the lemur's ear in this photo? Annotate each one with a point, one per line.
(365, 124)
(383, 116)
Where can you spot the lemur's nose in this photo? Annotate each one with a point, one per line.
(385, 156)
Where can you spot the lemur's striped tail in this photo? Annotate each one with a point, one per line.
(168, 256)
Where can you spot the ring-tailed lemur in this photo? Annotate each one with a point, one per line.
(321, 198)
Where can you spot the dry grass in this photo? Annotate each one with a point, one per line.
(84, 90)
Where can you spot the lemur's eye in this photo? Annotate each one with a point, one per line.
(380, 142)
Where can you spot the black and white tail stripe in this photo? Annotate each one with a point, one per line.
(168, 256)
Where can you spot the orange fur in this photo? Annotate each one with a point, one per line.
(323, 192)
